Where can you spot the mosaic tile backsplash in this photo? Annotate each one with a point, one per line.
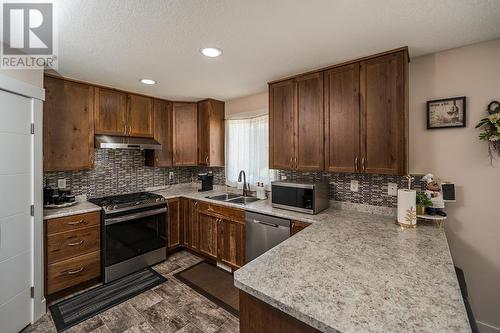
(372, 188)
(123, 171)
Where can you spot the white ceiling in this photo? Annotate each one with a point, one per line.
(117, 42)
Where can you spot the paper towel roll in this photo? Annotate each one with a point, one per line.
(407, 202)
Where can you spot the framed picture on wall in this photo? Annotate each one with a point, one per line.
(446, 113)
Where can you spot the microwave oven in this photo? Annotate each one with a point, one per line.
(309, 198)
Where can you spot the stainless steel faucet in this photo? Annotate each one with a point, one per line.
(246, 189)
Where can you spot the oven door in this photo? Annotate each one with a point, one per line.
(134, 234)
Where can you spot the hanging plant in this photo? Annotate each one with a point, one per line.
(491, 129)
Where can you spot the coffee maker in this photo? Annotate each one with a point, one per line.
(207, 181)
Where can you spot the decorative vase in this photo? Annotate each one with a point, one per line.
(420, 210)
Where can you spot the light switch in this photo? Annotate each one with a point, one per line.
(354, 185)
(392, 189)
(61, 183)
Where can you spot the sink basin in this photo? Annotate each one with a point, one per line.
(243, 200)
(224, 197)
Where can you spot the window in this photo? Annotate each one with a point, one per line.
(247, 148)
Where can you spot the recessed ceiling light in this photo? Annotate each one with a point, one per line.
(211, 52)
(148, 81)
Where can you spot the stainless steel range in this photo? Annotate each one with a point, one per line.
(133, 232)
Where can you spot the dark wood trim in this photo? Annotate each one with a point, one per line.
(348, 62)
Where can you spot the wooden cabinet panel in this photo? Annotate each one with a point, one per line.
(211, 133)
(69, 244)
(71, 272)
(191, 225)
(163, 134)
(174, 234)
(68, 125)
(231, 242)
(309, 152)
(140, 116)
(110, 112)
(72, 223)
(382, 92)
(342, 119)
(208, 234)
(185, 133)
(281, 124)
(298, 226)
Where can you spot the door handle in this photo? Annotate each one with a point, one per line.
(356, 163)
(76, 243)
(266, 223)
(363, 161)
(75, 223)
(76, 271)
(206, 160)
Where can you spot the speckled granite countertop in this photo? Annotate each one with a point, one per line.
(81, 207)
(359, 272)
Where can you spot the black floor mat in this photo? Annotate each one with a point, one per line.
(79, 308)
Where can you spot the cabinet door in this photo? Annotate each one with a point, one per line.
(231, 242)
(163, 134)
(110, 112)
(342, 119)
(298, 226)
(174, 234)
(281, 124)
(211, 133)
(191, 226)
(140, 116)
(185, 139)
(68, 125)
(208, 234)
(383, 136)
(309, 152)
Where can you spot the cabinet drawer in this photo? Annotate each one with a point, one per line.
(70, 244)
(74, 222)
(226, 212)
(71, 272)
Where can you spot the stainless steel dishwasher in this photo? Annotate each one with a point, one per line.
(263, 232)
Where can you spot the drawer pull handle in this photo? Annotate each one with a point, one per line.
(76, 222)
(76, 243)
(75, 272)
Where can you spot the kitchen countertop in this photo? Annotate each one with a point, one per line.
(348, 272)
(81, 207)
(359, 272)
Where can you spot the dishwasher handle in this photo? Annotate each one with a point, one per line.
(272, 225)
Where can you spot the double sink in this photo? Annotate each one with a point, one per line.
(233, 198)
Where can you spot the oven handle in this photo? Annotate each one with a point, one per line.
(129, 217)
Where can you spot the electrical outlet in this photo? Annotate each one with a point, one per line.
(61, 183)
(354, 186)
(283, 177)
(392, 189)
(171, 175)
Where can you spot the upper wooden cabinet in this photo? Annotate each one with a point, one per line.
(211, 133)
(140, 116)
(68, 130)
(384, 119)
(342, 119)
(110, 112)
(347, 118)
(185, 134)
(163, 134)
(296, 123)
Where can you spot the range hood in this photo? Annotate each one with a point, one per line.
(125, 142)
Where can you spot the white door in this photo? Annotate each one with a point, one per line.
(16, 197)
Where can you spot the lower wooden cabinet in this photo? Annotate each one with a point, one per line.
(191, 226)
(208, 234)
(72, 251)
(174, 224)
(298, 226)
(231, 242)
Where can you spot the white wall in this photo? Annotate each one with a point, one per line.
(31, 76)
(457, 155)
(248, 106)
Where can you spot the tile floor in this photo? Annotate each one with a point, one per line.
(170, 307)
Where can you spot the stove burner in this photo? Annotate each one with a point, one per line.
(118, 202)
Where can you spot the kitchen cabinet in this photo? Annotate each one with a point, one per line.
(72, 251)
(231, 242)
(162, 114)
(208, 234)
(342, 132)
(298, 226)
(174, 224)
(68, 130)
(191, 226)
(140, 116)
(110, 112)
(211, 133)
(185, 134)
(347, 118)
(297, 123)
(384, 114)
